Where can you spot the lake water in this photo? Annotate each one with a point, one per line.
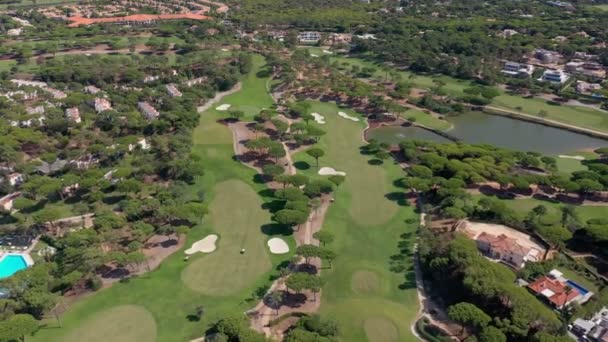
(481, 128)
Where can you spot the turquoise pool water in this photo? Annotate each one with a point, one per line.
(10, 264)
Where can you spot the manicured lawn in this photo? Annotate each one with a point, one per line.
(122, 323)
(229, 188)
(227, 271)
(427, 119)
(574, 115)
(524, 206)
(6, 65)
(602, 7)
(370, 302)
(253, 96)
(567, 165)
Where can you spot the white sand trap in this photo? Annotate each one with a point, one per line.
(330, 171)
(313, 55)
(571, 157)
(206, 245)
(328, 52)
(223, 107)
(320, 119)
(278, 246)
(348, 117)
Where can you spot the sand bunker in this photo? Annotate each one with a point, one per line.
(572, 157)
(206, 245)
(320, 119)
(327, 52)
(313, 55)
(330, 171)
(348, 117)
(223, 107)
(278, 246)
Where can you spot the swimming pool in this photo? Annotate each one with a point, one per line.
(11, 264)
(583, 291)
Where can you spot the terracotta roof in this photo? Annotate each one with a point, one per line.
(559, 293)
(77, 21)
(502, 244)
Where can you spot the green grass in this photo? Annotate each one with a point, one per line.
(360, 291)
(603, 7)
(253, 96)
(162, 292)
(427, 120)
(523, 206)
(226, 271)
(122, 323)
(573, 115)
(567, 165)
(6, 65)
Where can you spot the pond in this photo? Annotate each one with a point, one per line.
(481, 128)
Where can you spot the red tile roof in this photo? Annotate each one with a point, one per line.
(562, 293)
(77, 21)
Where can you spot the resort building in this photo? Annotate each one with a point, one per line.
(195, 81)
(594, 329)
(509, 33)
(506, 249)
(547, 56)
(173, 91)
(101, 105)
(6, 202)
(148, 111)
(142, 143)
(91, 90)
(558, 291)
(586, 68)
(340, 38)
(135, 19)
(73, 114)
(309, 37)
(554, 76)
(518, 69)
(583, 87)
(15, 179)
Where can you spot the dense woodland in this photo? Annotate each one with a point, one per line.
(147, 191)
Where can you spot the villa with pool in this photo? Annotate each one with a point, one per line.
(14, 254)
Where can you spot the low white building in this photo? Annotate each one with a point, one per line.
(517, 69)
(91, 90)
(73, 114)
(15, 178)
(554, 76)
(149, 112)
(142, 143)
(173, 91)
(309, 37)
(101, 105)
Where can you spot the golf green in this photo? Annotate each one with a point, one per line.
(238, 222)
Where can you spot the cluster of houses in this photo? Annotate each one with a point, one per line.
(594, 329)
(558, 72)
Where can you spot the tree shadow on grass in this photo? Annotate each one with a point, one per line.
(301, 165)
(277, 229)
(273, 206)
(398, 197)
(266, 193)
(375, 162)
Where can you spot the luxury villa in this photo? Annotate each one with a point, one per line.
(559, 291)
